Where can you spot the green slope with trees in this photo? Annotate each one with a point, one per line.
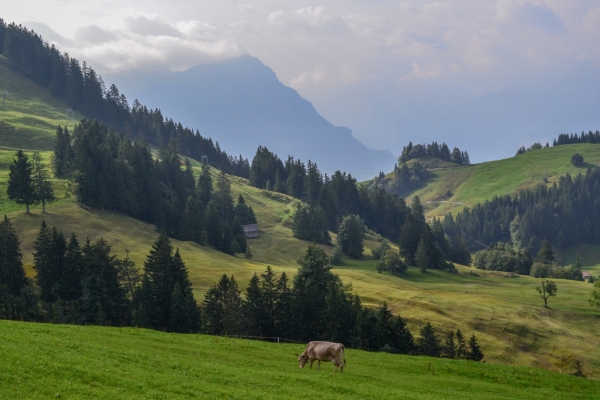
(505, 313)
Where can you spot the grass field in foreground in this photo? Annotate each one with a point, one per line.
(62, 361)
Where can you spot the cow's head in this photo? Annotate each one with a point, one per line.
(301, 360)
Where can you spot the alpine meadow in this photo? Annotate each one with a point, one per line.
(139, 259)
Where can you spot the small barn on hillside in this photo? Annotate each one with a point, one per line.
(586, 275)
(251, 231)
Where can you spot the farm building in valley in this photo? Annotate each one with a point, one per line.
(251, 230)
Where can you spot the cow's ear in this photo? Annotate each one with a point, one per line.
(296, 355)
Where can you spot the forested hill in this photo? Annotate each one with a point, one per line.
(82, 89)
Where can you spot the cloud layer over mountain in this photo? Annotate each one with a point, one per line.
(392, 71)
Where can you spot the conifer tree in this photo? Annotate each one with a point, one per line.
(350, 236)
(214, 228)
(310, 289)
(40, 175)
(192, 224)
(403, 340)
(20, 187)
(474, 353)
(62, 153)
(448, 349)
(461, 347)
(43, 264)
(268, 287)
(429, 344)
(72, 276)
(205, 186)
(254, 307)
(546, 253)
(165, 269)
(234, 321)
(223, 199)
(365, 334)
(283, 315)
(421, 256)
(12, 275)
(103, 297)
(384, 327)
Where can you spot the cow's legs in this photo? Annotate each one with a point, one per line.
(311, 361)
(319, 364)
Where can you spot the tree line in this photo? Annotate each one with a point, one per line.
(435, 150)
(566, 213)
(86, 284)
(84, 90)
(563, 139)
(317, 304)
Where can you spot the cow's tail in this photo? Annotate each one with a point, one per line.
(344, 354)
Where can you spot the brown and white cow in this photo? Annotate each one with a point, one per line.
(323, 351)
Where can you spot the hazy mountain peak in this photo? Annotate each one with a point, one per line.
(241, 104)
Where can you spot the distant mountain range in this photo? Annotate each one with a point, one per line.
(241, 104)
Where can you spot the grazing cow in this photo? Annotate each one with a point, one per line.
(323, 351)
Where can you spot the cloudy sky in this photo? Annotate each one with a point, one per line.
(383, 68)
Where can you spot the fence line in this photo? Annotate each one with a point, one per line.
(265, 338)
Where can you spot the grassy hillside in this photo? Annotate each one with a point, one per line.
(30, 115)
(505, 313)
(472, 184)
(58, 361)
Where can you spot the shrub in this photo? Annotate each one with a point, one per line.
(577, 160)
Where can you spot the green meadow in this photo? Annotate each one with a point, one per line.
(505, 313)
(472, 184)
(79, 362)
(30, 114)
(515, 332)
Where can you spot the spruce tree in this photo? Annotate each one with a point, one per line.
(268, 287)
(351, 235)
(283, 314)
(43, 263)
(254, 307)
(20, 186)
(165, 269)
(205, 186)
(214, 228)
(234, 321)
(421, 256)
(448, 349)
(546, 253)
(223, 199)
(310, 289)
(403, 340)
(43, 188)
(429, 344)
(384, 328)
(213, 307)
(474, 353)
(461, 347)
(192, 222)
(12, 275)
(104, 298)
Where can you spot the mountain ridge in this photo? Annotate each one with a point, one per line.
(241, 103)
